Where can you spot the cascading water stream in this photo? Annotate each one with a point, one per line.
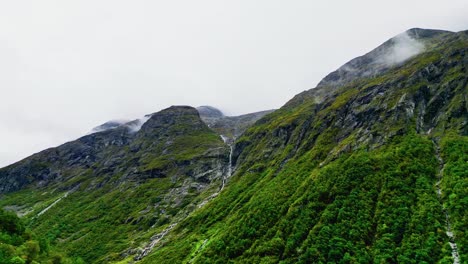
(52, 204)
(229, 170)
(449, 232)
(154, 241)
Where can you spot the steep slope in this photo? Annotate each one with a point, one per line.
(348, 172)
(95, 196)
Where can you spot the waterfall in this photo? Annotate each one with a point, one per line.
(230, 143)
(154, 241)
(449, 232)
(52, 204)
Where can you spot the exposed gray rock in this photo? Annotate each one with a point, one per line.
(209, 112)
(391, 53)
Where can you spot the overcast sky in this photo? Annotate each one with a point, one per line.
(67, 66)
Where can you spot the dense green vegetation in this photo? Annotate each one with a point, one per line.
(364, 207)
(346, 174)
(18, 245)
(455, 187)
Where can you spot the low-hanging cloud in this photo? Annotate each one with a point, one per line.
(108, 125)
(133, 126)
(403, 48)
(136, 125)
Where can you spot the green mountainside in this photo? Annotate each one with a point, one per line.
(371, 166)
(18, 245)
(347, 174)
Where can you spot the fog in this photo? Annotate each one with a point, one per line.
(69, 66)
(404, 47)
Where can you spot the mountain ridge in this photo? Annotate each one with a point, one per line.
(364, 168)
(372, 63)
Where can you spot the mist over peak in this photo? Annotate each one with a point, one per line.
(108, 125)
(404, 47)
(132, 125)
(389, 54)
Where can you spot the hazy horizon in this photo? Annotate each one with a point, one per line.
(71, 66)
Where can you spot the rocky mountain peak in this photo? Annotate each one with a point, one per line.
(422, 33)
(133, 126)
(209, 111)
(391, 53)
(177, 118)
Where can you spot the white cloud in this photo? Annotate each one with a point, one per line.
(136, 125)
(404, 47)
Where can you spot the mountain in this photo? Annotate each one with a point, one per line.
(142, 174)
(368, 167)
(371, 169)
